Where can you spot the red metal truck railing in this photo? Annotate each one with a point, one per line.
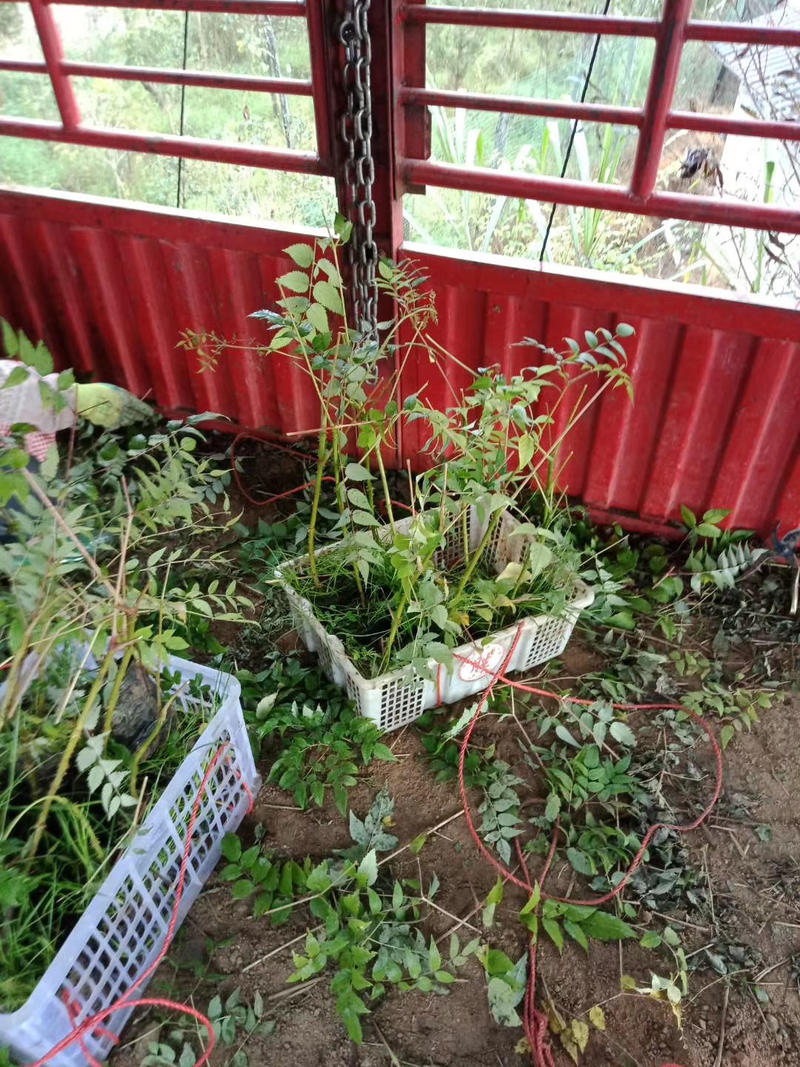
(670, 33)
(73, 131)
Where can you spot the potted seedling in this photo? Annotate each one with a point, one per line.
(419, 604)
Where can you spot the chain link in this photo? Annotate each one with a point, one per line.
(359, 168)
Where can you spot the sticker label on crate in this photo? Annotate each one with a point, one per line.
(482, 663)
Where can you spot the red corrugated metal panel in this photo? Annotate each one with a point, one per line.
(715, 422)
(716, 416)
(110, 288)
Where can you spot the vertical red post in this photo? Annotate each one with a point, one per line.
(413, 131)
(51, 49)
(386, 122)
(663, 79)
(323, 54)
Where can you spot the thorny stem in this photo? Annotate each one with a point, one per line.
(385, 484)
(396, 620)
(113, 698)
(341, 501)
(312, 522)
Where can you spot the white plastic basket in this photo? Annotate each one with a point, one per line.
(124, 927)
(397, 698)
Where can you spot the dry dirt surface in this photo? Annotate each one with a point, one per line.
(753, 888)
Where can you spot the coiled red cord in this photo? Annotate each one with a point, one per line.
(535, 1022)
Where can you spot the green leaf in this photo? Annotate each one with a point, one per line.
(603, 926)
(624, 620)
(418, 843)
(434, 956)
(576, 933)
(650, 940)
(580, 1033)
(553, 807)
(39, 358)
(328, 295)
(354, 472)
(621, 732)
(671, 937)
(303, 255)
(382, 751)
(358, 499)
(17, 376)
(563, 733)
(553, 931)
(580, 861)
(533, 900)
(342, 227)
(10, 340)
(295, 281)
(624, 330)
(496, 962)
(369, 867)
(716, 515)
(705, 529)
(597, 1017)
(318, 317)
(503, 999)
(242, 889)
(365, 518)
(689, 518)
(525, 449)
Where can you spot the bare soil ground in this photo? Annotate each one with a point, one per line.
(748, 853)
(754, 885)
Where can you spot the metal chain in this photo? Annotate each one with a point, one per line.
(359, 168)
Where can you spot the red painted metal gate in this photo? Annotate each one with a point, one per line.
(110, 287)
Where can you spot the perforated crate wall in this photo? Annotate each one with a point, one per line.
(395, 699)
(124, 927)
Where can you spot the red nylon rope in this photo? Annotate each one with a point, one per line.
(535, 1022)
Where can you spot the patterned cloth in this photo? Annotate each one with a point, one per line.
(36, 444)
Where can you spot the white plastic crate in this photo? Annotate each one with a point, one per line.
(397, 698)
(124, 927)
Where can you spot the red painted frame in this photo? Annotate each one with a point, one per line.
(670, 33)
(73, 131)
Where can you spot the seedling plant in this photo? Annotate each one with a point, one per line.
(102, 575)
(405, 592)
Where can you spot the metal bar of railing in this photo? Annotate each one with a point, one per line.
(24, 66)
(494, 18)
(743, 33)
(209, 80)
(520, 105)
(660, 93)
(279, 8)
(168, 145)
(732, 124)
(703, 122)
(605, 197)
(319, 48)
(51, 50)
